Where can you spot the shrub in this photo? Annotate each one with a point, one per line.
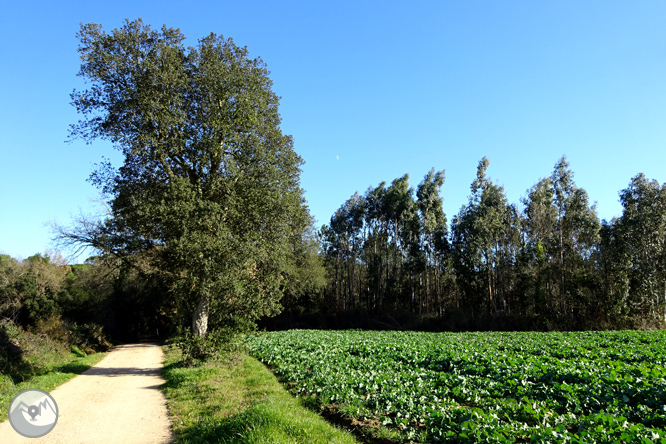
(26, 354)
(11, 355)
(53, 327)
(90, 336)
(219, 344)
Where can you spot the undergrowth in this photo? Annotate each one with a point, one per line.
(36, 361)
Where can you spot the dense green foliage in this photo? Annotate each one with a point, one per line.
(548, 265)
(586, 387)
(238, 401)
(69, 303)
(88, 305)
(208, 199)
(34, 288)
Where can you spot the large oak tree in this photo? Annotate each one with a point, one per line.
(209, 190)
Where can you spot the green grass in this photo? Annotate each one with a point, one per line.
(36, 361)
(56, 372)
(238, 402)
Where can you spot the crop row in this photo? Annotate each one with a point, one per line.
(483, 387)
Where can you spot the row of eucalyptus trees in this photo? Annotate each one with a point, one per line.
(391, 250)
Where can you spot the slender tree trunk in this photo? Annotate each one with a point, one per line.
(664, 303)
(337, 283)
(490, 286)
(388, 268)
(563, 294)
(664, 309)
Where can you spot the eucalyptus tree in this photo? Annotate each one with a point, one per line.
(375, 246)
(399, 210)
(576, 235)
(642, 229)
(539, 221)
(481, 234)
(209, 190)
(304, 276)
(614, 267)
(346, 225)
(433, 233)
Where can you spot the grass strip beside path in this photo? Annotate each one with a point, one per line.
(57, 373)
(238, 403)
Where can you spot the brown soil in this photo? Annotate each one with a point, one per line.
(116, 401)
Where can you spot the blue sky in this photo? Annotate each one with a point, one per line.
(370, 91)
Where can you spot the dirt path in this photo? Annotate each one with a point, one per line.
(116, 401)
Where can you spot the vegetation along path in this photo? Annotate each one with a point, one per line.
(116, 401)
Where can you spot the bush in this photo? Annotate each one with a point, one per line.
(53, 327)
(11, 355)
(219, 344)
(26, 354)
(90, 337)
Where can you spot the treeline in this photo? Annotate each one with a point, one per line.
(89, 304)
(549, 263)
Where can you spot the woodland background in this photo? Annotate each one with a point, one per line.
(389, 259)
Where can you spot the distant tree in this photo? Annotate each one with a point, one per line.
(11, 272)
(88, 288)
(304, 276)
(400, 212)
(433, 232)
(540, 219)
(642, 233)
(576, 235)
(208, 193)
(346, 225)
(376, 249)
(562, 235)
(41, 286)
(614, 267)
(482, 234)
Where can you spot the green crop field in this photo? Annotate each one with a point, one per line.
(581, 387)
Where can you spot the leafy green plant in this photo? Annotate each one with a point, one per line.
(482, 387)
(77, 351)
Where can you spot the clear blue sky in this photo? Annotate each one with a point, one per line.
(370, 91)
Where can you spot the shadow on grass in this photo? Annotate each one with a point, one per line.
(174, 380)
(233, 429)
(72, 367)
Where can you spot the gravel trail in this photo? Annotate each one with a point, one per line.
(116, 401)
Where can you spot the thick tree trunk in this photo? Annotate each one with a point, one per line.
(200, 317)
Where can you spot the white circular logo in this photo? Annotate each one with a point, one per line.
(33, 413)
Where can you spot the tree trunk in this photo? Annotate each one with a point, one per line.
(490, 291)
(200, 317)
